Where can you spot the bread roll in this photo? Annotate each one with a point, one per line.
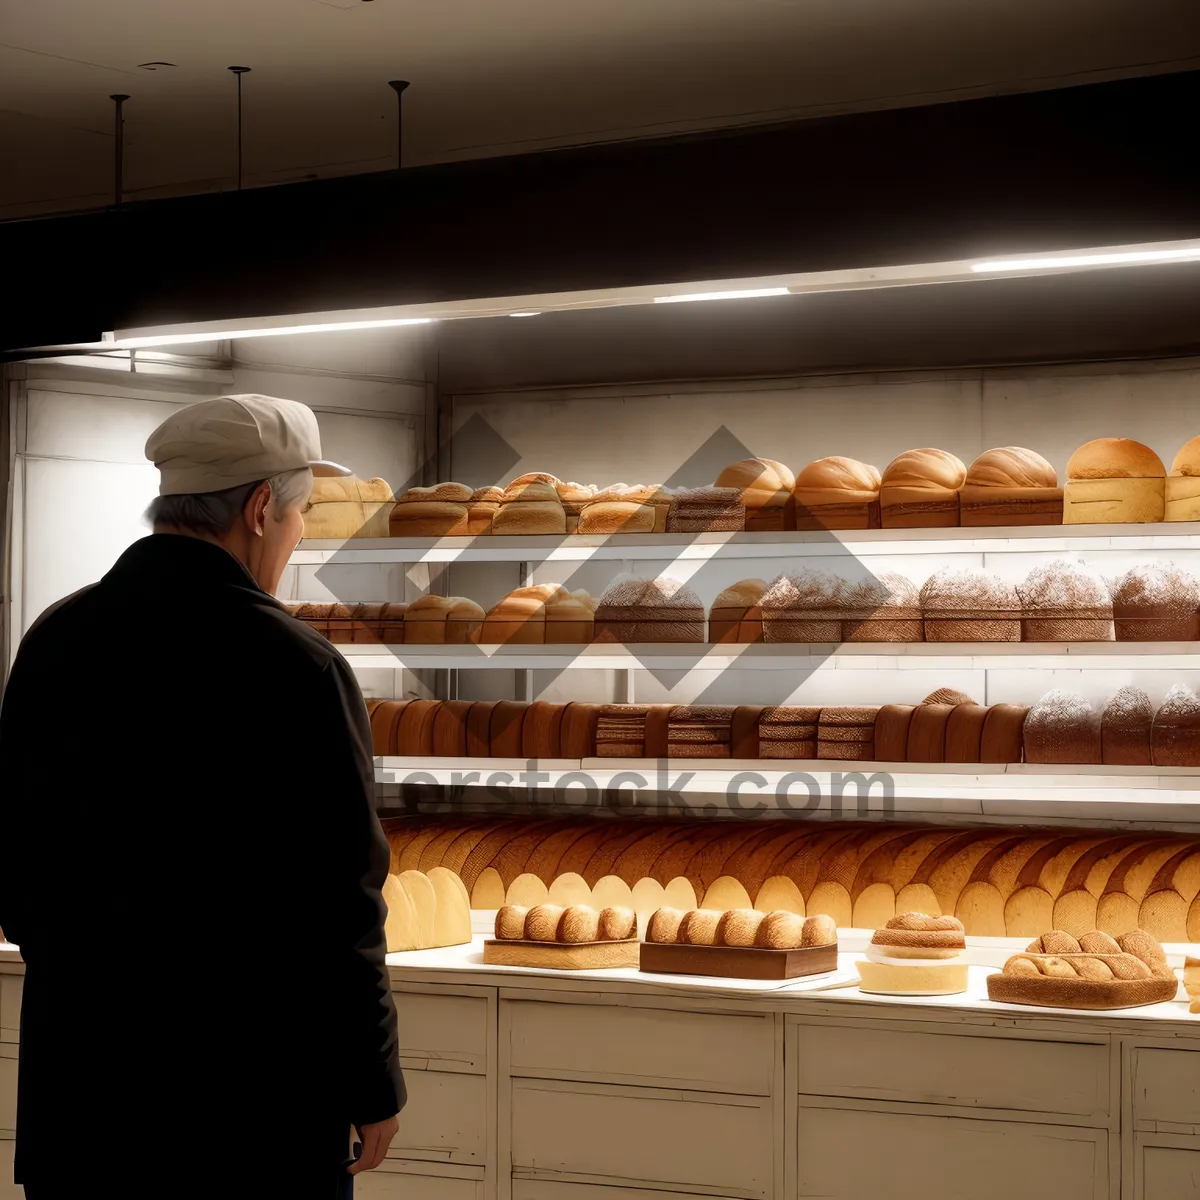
(1057, 941)
(819, 930)
(919, 489)
(510, 922)
(579, 924)
(765, 487)
(348, 507)
(542, 921)
(617, 924)
(1157, 602)
(837, 493)
(1114, 481)
(1128, 966)
(663, 926)
(736, 614)
(1020, 965)
(1098, 943)
(699, 927)
(1010, 486)
(780, 931)
(738, 927)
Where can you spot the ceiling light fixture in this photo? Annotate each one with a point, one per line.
(527, 313)
(1072, 261)
(112, 342)
(746, 294)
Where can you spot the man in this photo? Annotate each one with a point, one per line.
(190, 859)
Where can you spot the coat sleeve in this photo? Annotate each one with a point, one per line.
(14, 803)
(350, 858)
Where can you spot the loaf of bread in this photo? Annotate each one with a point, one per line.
(1157, 602)
(1191, 966)
(699, 731)
(706, 510)
(520, 618)
(1114, 481)
(788, 731)
(570, 618)
(1125, 724)
(569, 925)
(1062, 727)
(1175, 733)
(1182, 494)
(425, 910)
(920, 490)
(574, 497)
(805, 607)
(847, 733)
(916, 954)
(619, 509)
(740, 927)
(438, 511)
(882, 608)
(530, 505)
(929, 729)
(1010, 486)
(442, 620)
(736, 614)
(484, 504)
(633, 730)
(649, 610)
(837, 493)
(1064, 601)
(378, 624)
(970, 604)
(1003, 734)
(765, 489)
(348, 507)
(892, 723)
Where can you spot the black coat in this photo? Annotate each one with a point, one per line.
(191, 864)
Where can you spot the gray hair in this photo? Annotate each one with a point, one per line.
(214, 513)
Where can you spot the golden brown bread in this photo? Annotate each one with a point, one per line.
(736, 615)
(541, 922)
(1114, 458)
(1010, 486)
(579, 923)
(919, 488)
(818, 930)
(663, 926)
(766, 492)
(699, 927)
(738, 927)
(780, 931)
(1114, 480)
(837, 493)
(348, 507)
(617, 923)
(510, 922)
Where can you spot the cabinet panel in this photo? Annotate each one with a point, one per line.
(11, 987)
(8, 1189)
(945, 1068)
(863, 1154)
(709, 1052)
(8, 1085)
(642, 1138)
(442, 1033)
(1166, 1086)
(390, 1185)
(1169, 1173)
(545, 1189)
(445, 1119)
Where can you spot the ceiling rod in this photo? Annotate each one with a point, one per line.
(118, 99)
(398, 86)
(239, 72)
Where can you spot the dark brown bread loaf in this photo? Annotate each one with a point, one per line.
(1003, 733)
(1157, 602)
(1175, 736)
(1125, 728)
(891, 732)
(1062, 727)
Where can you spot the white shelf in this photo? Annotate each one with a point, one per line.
(1016, 791)
(684, 547)
(790, 656)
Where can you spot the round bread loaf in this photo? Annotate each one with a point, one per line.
(819, 930)
(839, 474)
(617, 924)
(510, 922)
(780, 931)
(1187, 461)
(926, 467)
(762, 481)
(663, 926)
(579, 923)
(1011, 466)
(1157, 602)
(1125, 725)
(1115, 458)
(541, 922)
(699, 927)
(738, 927)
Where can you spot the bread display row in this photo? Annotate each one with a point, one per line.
(997, 881)
(1058, 601)
(740, 927)
(573, 924)
(1109, 481)
(426, 910)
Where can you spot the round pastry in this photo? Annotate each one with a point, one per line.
(663, 926)
(738, 927)
(819, 930)
(617, 924)
(579, 924)
(699, 927)
(541, 923)
(510, 922)
(780, 930)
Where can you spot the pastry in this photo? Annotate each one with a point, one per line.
(1114, 481)
(442, 620)
(970, 605)
(847, 733)
(1182, 494)
(916, 954)
(706, 510)
(649, 610)
(1010, 486)
(1175, 733)
(579, 923)
(699, 731)
(1125, 723)
(837, 493)
(699, 927)
(542, 922)
(736, 614)
(619, 509)
(348, 507)
(1157, 602)
(1062, 727)
(883, 608)
(788, 731)
(805, 607)
(438, 511)
(818, 930)
(530, 505)
(920, 490)
(765, 489)
(1065, 601)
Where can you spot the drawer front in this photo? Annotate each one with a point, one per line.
(8, 1189)
(642, 1138)
(442, 1033)
(388, 1185)
(1166, 1086)
(860, 1154)
(8, 1086)
(708, 1052)
(10, 1007)
(945, 1068)
(541, 1189)
(445, 1119)
(1168, 1173)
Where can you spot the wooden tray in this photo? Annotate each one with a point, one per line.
(737, 962)
(561, 956)
(1079, 993)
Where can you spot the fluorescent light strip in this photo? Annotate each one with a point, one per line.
(530, 313)
(1069, 262)
(181, 339)
(748, 294)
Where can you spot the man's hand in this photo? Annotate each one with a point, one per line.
(375, 1141)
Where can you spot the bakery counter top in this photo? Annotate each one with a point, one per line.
(676, 547)
(783, 656)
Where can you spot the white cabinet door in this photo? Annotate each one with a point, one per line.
(442, 1033)
(389, 1185)
(8, 1189)
(445, 1119)
(1165, 1087)
(865, 1154)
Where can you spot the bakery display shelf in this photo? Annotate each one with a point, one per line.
(683, 547)
(784, 656)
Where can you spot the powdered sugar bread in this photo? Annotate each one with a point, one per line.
(970, 605)
(837, 493)
(1125, 728)
(882, 608)
(1010, 486)
(805, 607)
(1064, 601)
(1175, 735)
(1062, 727)
(1114, 481)
(919, 489)
(649, 610)
(1157, 602)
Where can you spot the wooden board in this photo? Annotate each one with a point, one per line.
(737, 962)
(561, 956)
(1079, 993)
